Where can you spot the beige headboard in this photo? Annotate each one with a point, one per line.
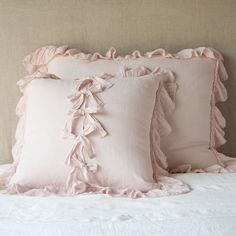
(95, 25)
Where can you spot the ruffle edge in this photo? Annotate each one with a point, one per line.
(166, 186)
(42, 56)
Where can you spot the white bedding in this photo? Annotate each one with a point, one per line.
(208, 210)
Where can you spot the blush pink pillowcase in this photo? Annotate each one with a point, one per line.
(197, 124)
(89, 135)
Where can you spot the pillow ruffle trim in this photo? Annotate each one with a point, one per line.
(39, 59)
(82, 150)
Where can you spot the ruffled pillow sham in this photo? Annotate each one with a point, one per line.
(197, 124)
(89, 135)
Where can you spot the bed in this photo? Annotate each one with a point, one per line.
(209, 209)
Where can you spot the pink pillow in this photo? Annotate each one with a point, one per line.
(197, 123)
(89, 135)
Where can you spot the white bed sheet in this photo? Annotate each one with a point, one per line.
(208, 210)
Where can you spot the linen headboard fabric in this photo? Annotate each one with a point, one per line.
(96, 25)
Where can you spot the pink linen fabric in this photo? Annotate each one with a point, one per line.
(90, 134)
(197, 124)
